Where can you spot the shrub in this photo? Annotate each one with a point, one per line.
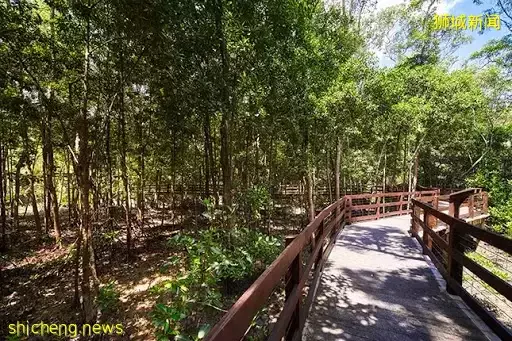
(212, 256)
(108, 297)
(256, 199)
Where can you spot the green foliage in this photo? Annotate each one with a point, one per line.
(501, 218)
(489, 265)
(108, 297)
(495, 176)
(167, 321)
(212, 257)
(227, 254)
(254, 200)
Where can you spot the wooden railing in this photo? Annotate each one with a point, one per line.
(449, 254)
(381, 205)
(318, 237)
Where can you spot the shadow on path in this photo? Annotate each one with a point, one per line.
(377, 286)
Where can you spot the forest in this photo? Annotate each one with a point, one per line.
(145, 145)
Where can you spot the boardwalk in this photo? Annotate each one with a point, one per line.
(376, 285)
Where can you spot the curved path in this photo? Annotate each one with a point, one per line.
(377, 285)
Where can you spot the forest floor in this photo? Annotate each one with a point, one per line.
(37, 279)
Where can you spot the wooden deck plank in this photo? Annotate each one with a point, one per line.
(376, 285)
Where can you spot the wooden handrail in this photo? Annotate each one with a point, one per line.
(452, 270)
(320, 234)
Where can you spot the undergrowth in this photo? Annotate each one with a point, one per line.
(211, 261)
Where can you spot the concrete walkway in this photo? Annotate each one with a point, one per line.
(376, 285)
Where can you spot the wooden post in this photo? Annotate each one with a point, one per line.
(485, 203)
(348, 212)
(414, 228)
(426, 238)
(471, 206)
(401, 203)
(319, 239)
(454, 208)
(292, 280)
(377, 210)
(455, 269)
(432, 220)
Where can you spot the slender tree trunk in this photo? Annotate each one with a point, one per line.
(328, 174)
(415, 178)
(46, 196)
(311, 202)
(19, 165)
(3, 219)
(384, 183)
(89, 283)
(76, 298)
(110, 199)
(68, 189)
(33, 199)
(213, 168)
(207, 143)
(227, 114)
(140, 166)
(52, 192)
(404, 168)
(124, 168)
(53, 204)
(9, 180)
(337, 173)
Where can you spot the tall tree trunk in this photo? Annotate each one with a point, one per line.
(328, 168)
(311, 202)
(68, 189)
(15, 216)
(207, 143)
(213, 168)
(9, 180)
(404, 168)
(337, 173)
(3, 220)
(33, 199)
(89, 283)
(110, 199)
(124, 168)
(384, 183)
(46, 195)
(52, 191)
(141, 161)
(227, 114)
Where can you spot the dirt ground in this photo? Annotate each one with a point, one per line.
(37, 279)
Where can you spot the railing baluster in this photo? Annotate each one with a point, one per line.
(427, 241)
(378, 207)
(348, 205)
(455, 269)
(471, 206)
(319, 239)
(292, 279)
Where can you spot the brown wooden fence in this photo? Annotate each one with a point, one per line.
(449, 252)
(318, 237)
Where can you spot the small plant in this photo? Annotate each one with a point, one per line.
(108, 297)
(213, 257)
(256, 199)
(167, 321)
